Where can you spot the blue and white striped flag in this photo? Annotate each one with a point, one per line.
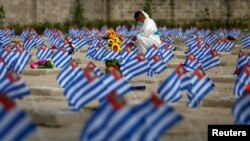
(125, 122)
(242, 81)
(190, 41)
(156, 123)
(99, 53)
(128, 53)
(44, 52)
(135, 67)
(68, 74)
(61, 58)
(13, 86)
(24, 34)
(8, 57)
(109, 55)
(157, 64)
(242, 61)
(210, 61)
(90, 51)
(204, 51)
(241, 110)
(199, 87)
(114, 81)
(3, 69)
(197, 49)
(96, 122)
(4, 41)
(165, 46)
(80, 42)
(228, 45)
(245, 41)
(169, 39)
(170, 89)
(29, 43)
(64, 44)
(83, 89)
(55, 40)
(211, 39)
(219, 45)
(191, 63)
(22, 58)
(39, 40)
(115, 121)
(15, 124)
(166, 53)
(151, 52)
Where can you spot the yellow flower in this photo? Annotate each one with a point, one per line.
(111, 41)
(116, 47)
(116, 40)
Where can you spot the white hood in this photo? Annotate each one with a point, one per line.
(145, 15)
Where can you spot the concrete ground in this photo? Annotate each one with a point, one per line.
(48, 107)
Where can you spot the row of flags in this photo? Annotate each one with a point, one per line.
(197, 85)
(241, 107)
(115, 120)
(14, 58)
(83, 86)
(15, 124)
(84, 36)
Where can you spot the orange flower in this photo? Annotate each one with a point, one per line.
(111, 33)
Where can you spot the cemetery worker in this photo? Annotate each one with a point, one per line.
(148, 34)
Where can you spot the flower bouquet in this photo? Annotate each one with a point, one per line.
(113, 44)
(113, 41)
(42, 64)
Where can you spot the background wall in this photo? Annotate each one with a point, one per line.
(28, 11)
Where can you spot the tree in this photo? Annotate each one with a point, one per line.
(2, 15)
(147, 7)
(78, 18)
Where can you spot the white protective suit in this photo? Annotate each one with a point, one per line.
(148, 35)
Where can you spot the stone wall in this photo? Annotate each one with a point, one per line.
(28, 11)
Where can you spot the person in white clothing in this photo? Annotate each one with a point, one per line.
(148, 35)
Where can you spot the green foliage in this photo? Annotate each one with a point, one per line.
(164, 22)
(147, 7)
(78, 17)
(111, 64)
(64, 27)
(2, 15)
(17, 27)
